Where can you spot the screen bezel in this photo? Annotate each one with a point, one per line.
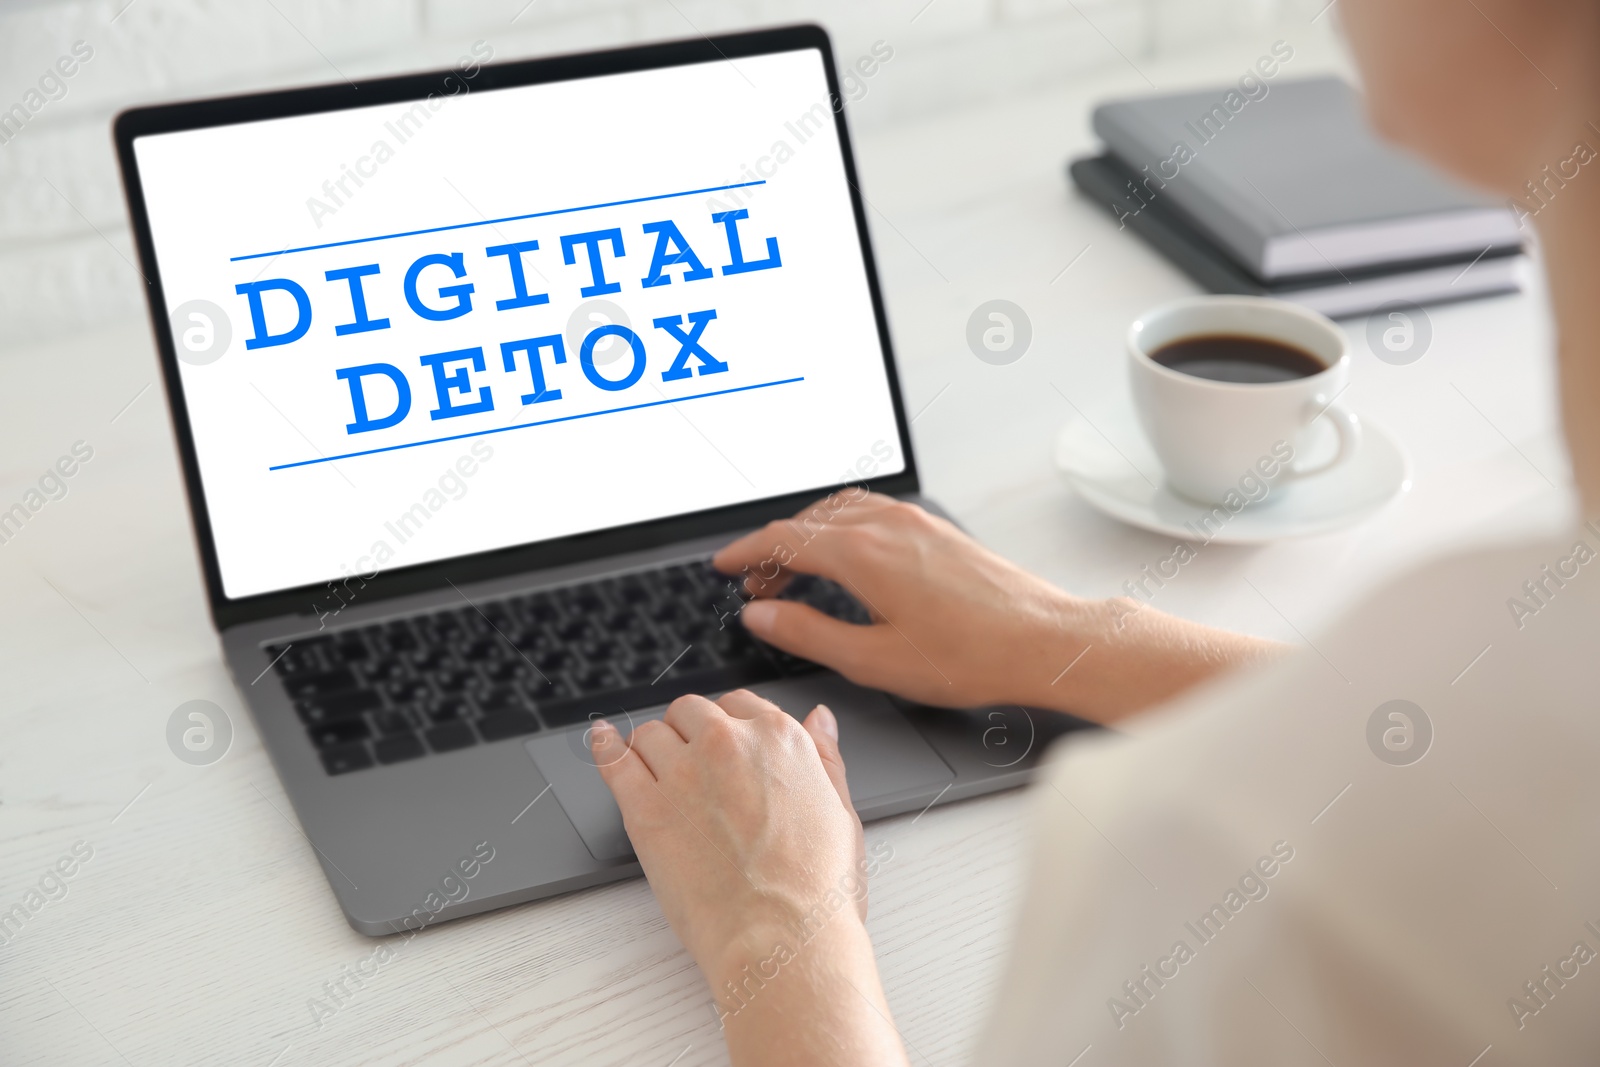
(138, 122)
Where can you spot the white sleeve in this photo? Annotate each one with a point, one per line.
(1246, 881)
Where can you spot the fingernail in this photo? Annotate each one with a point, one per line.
(830, 725)
(601, 733)
(758, 615)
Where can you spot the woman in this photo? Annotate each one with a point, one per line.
(1195, 897)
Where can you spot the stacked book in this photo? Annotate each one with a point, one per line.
(1288, 194)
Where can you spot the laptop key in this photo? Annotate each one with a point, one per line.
(296, 657)
(407, 691)
(502, 699)
(343, 759)
(449, 710)
(333, 681)
(504, 724)
(450, 736)
(454, 681)
(397, 748)
(339, 705)
(400, 640)
(553, 661)
(431, 659)
(392, 722)
(338, 732)
(642, 670)
(510, 670)
(642, 641)
(597, 679)
(384, 670)
(693, 659)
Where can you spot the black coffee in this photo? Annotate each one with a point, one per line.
(1232, 358)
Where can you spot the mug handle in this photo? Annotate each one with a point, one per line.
(1348, 428)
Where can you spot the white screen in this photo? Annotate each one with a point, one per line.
(785, 392)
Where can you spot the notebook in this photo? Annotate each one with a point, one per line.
(1357, 291)
(1294, 183)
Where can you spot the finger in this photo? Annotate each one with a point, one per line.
(851, 505)
(803, 547)
(743, 704)
(824, 731)
(804, 631)
(758, 585)
(658, 745)
(624, 773)
(689, 715)
(770, 556)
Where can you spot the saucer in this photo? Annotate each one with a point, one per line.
(1352, 492)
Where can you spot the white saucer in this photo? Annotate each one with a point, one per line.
(1111, 481)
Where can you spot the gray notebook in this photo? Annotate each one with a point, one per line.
(1294, 182)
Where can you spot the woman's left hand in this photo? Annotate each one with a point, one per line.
(742, 821)
(741, 818)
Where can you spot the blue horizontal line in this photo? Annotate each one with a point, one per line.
(526, 425)
(491, 222)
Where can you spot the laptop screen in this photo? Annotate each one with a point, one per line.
(416, 331)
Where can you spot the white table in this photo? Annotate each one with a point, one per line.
(202, 928)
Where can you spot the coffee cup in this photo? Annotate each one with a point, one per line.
(1225, 386)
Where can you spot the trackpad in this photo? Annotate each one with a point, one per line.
(885, 755)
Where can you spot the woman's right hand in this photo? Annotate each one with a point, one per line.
(955, 625)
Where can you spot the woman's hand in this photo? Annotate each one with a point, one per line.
(742, 821)
(956, 625)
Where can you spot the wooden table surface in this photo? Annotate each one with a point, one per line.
(200, 930)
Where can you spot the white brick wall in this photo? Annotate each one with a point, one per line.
(65, 258)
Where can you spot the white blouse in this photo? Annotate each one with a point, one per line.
(1287, 867)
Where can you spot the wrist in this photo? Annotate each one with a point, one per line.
(763, 955)
(1050, 656)
(1119, 656)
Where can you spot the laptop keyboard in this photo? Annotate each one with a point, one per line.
(410, 687)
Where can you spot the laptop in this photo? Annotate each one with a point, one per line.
(470, 373)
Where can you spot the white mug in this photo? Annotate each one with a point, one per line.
(1210, 435)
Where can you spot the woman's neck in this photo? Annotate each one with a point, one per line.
(1569, 230)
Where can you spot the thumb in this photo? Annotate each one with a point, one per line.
(824, 731)
(802, 630)
(624, 773)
